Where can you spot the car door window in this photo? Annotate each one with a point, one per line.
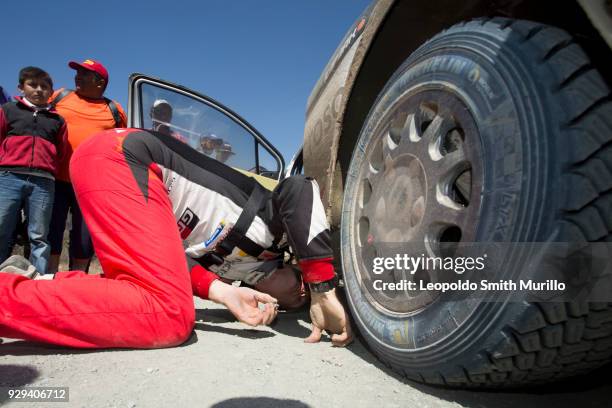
(267, 164)
(203, 124)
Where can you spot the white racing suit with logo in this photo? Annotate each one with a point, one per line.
(233, 226)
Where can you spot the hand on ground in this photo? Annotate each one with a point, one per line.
(327, 313)
(244, 303)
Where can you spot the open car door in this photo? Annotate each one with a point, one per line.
(205, 125)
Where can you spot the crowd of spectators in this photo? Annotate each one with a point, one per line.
(39, 131)
(38, 196)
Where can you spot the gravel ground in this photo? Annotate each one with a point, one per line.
(227, 364)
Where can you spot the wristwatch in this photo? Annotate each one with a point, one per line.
(324, 286)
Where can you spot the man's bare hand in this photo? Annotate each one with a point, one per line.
(244, 303)
(327, 313)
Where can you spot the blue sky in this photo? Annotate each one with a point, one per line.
(260, 58)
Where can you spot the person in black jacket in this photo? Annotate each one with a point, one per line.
(32, 140)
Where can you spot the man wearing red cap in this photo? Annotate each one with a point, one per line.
(86, 112)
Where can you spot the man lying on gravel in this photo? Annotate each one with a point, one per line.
(134, 187)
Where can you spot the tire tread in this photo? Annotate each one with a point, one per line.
(550, 341)
(558, 340)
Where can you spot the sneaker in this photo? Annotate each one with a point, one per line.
(18, 265)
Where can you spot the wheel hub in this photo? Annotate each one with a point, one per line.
(418, 192)
(400, 200)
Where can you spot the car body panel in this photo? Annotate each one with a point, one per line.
(353, 78)
(329, 98)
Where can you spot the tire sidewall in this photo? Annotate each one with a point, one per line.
(503, 101)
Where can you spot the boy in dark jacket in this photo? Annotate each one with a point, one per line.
(32, 141)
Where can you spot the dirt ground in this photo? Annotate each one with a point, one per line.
(227, 364)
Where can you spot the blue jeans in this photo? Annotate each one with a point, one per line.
(80, 239)
(35, 195)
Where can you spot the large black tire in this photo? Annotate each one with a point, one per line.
(534, 122)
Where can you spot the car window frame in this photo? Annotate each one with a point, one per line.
(136, 115)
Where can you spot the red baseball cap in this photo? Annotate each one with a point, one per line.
(91, 65)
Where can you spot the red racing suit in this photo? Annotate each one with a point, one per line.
(122, 179)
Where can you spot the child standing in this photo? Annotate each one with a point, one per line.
(32, 141)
